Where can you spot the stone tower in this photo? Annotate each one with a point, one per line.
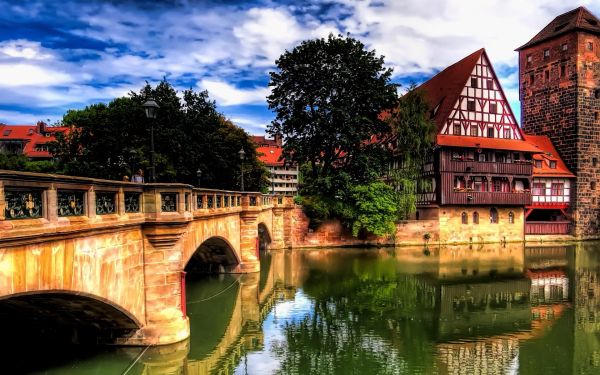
(559, 79)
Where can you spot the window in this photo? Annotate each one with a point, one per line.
(596, 116)
(597, 93)
(490, 132)
(470, 105)
(547, 75)
(593, 185)
(474, 132)
(565, 47)
(563, 70)
(506, 134)
(479, 184)
(538, 163)
(531, 78)
(481, 157)
(464, 218)
(594, 162)
(516, 156)
(529, 59)
(546, 53)
(493, 215)
(497, 185)
(552, 164)
(558, 188)
(475, 217)
(456, 129)
(511, 217)
(474, 82)
(539, 188)
(493, 107)
(590, 46)
(490, 84)
(7, 132)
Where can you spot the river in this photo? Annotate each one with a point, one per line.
(488, 309)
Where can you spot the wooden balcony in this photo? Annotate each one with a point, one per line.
(486, 198)
(471, 166)
(547, 227)
(426, 199)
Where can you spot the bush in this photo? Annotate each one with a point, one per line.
(375, 209)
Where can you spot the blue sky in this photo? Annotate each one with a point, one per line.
(60, 55)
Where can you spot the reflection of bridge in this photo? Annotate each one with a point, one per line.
(112, 255)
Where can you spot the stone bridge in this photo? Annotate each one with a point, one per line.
(106, 260)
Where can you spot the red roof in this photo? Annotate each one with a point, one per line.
(487, 143)
(270, 155)
(576, 19)
(548, 154)
(443, 89)
(31, 136)
(262, 141)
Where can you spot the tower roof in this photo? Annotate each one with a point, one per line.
(443, 89)
(576, 19)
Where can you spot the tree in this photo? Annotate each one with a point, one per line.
(112, 140)
(413, 134)
(376, 208)
(328, 95)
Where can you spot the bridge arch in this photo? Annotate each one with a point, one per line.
(215, 255)
(264, 236)
(65, 316)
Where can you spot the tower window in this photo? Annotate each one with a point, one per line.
(597, 93)
(594, 162)
(565, 46)
(474, 82)
(590, 46)
(529, 59)
(493, 108)
(593, 185)
(531, 78)
(596, 116)
(470, 105)
(546, 53)
(547, 75)
(563, 70)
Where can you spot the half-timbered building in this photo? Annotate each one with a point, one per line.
(481, 173)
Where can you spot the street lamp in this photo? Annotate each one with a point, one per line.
(242, 155)
(151, 109)
(199, 175)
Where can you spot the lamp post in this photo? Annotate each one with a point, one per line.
(242, 155)
(151, 108)
(199, 175)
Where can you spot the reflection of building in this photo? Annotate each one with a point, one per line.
(283, 177)
(31, 141)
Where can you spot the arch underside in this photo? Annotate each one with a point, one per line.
(264, 237)
(215, 255)
(60, 316)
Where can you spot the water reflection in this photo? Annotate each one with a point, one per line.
(455, 310)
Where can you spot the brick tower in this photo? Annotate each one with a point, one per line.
(559, 78)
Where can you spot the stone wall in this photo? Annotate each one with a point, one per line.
(452, 230)
(562, 103)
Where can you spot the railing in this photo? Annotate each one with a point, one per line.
(472, 166)
(493, 198)
(547, 227)
(426, 198)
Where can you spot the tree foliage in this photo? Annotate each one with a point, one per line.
(22, 163)
(113, 140)
(375, 207)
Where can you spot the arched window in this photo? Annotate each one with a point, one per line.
(511, 217)
(464, 218)
(475, 217)
(493, 215)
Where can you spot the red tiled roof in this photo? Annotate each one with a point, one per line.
(31, 136)
(262, 141)
(487, 143)
(576, 19)
(270, 155)
(549, 153)
(443, 89)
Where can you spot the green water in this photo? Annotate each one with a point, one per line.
(458, 310)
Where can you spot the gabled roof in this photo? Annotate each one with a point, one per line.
(443, 89)
(549, 154)
(31, 136)
(576, 19)
(270, 155)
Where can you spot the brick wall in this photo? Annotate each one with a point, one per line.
(561, 103)
(452, 230)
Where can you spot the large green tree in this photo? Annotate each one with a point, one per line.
(327, 95)
(113, 140)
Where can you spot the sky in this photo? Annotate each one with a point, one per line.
(61, 55)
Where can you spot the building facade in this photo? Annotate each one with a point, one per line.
(283, 178)
(479, 180)
(559, 78)
(29, 140)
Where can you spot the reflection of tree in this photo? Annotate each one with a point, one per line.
(366, 319)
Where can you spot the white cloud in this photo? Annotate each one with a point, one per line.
(20, 118)
(23, 74)
(26, 49)
(226, 94)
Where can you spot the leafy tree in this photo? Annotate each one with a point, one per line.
(22, 163)
(113, 140)
(327, 95)
(376, 208)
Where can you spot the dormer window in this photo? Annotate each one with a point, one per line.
(538, 163)
(552, 164)
(7, 132)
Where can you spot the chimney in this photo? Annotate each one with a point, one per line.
(41, 127)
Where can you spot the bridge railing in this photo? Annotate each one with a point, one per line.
(34, 200)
